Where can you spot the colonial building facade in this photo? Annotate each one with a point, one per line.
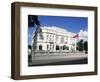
(57, 39)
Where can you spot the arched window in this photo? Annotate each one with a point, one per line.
(57, 47)
(40, 47)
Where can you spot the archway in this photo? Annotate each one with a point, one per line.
(57, 47)
(64, 47)
(40, 47)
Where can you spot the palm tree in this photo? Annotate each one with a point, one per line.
(34, 22)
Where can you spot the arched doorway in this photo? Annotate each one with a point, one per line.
(57, 47)
(40, 47)
(64, 47)
(67, 48)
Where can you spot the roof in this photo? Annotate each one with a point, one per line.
(54, 29)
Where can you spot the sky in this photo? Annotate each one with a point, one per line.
(71, 24)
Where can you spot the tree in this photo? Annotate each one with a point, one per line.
(77, 46)
(86, 46)
(33, 21)
(29, 46)
(81, 45)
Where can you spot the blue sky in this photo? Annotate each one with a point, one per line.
(71, 24)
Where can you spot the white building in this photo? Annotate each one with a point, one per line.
(57, 39)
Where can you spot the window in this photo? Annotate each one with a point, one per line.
(40, 35)
(57, 38)
(62, 39)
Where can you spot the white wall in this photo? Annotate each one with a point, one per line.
(5, 38)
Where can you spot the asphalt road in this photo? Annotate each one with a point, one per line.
(59, 60)
(79, 61)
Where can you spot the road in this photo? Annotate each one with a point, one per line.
(59, 60)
